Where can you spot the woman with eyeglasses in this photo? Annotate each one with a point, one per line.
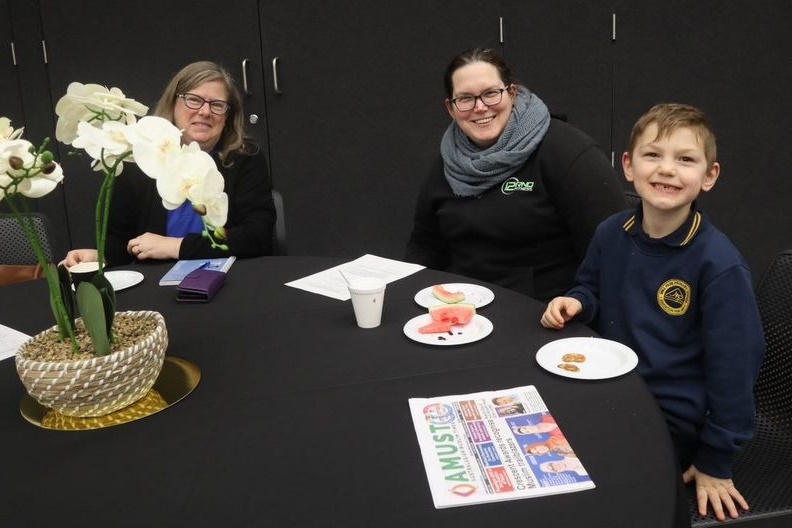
(203, 101)
(516, 194)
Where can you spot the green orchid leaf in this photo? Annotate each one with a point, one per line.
(89, 301)
(108, 300)
(66, 292)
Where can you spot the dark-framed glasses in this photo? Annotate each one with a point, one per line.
(491, 97)
(195, 102)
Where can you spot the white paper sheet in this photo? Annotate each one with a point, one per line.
(10, 341)
(331, 283)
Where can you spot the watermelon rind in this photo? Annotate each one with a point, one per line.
(446, 296)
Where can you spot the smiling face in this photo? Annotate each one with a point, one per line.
(201, 126)
(483, 124)
(670, 171)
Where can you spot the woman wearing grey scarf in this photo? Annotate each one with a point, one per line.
(516, 195)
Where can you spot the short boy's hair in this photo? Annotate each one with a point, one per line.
(671, 116)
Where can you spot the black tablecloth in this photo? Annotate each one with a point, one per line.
(301, 418)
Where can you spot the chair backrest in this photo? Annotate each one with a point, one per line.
(632, 199)
(761, 470)
(15, 248)
(773, 390)
(280, 224)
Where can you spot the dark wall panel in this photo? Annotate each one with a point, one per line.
(731, 60)
(359, 118)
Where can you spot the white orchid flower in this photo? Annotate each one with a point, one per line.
(209, 199)
(189, 169)
(16, 158)
(217, 209)
(105, 145)
(5, 181)
(7, 133)
(20, 150)
(93, 103)
(156, 145)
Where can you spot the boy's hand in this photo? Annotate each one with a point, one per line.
(559, 311)
(717, 491)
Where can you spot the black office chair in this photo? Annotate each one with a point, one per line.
(632, 199)
(18, 262)
(280, 224)
(763, 470)
(15, 248)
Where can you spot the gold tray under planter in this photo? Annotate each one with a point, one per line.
(176, 380)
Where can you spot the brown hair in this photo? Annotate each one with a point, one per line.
(233, 138)
(672, 116)
(487, 55)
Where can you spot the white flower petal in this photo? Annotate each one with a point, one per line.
(156, 145)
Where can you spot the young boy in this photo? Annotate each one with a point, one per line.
(664, 281)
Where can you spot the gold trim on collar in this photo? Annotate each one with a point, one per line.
(694, 227)
(629, 223)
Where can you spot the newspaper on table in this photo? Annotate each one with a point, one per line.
(494, 446)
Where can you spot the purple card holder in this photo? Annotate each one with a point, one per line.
(200, 285)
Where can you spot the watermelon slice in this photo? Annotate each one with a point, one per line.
(445, 316)
(446, 296)
(436, 327)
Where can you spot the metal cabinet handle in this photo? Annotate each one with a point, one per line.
(275, 82)
(244, 77)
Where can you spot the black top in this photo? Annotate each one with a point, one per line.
(137, 208)
(301, 418)
(529, 233)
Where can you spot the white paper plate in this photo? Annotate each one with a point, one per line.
(478, 328)
(603, 358)
(474, 294)
(122, 279)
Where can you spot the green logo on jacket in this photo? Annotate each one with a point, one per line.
(513, 184)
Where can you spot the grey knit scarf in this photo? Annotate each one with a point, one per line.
(470, 171)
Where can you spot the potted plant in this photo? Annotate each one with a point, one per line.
(101, 361)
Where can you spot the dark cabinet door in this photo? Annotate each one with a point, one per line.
(138, 48)
(9, 88)
(562, 52)
(355, 112)
(731, 60)
(24, 96)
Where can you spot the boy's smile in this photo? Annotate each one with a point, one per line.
(668, 173)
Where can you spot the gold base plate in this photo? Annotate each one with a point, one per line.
(177, 379)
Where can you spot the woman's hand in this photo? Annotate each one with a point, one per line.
(152, 246)
(559, 311)
(76, 256)
(717, 491)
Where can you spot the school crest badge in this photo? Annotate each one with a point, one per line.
(673, 297)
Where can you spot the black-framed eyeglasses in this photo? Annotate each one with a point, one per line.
(491, 97)
(195, 102)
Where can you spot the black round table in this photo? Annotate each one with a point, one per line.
(301, 418)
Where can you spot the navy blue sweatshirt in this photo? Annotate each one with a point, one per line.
(685, 304)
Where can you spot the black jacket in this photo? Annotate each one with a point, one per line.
(137, 208)
(529, 233)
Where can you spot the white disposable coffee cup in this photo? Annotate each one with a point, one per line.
(83, 271)
(367, 298)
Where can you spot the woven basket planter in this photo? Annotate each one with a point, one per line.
(100, 385)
